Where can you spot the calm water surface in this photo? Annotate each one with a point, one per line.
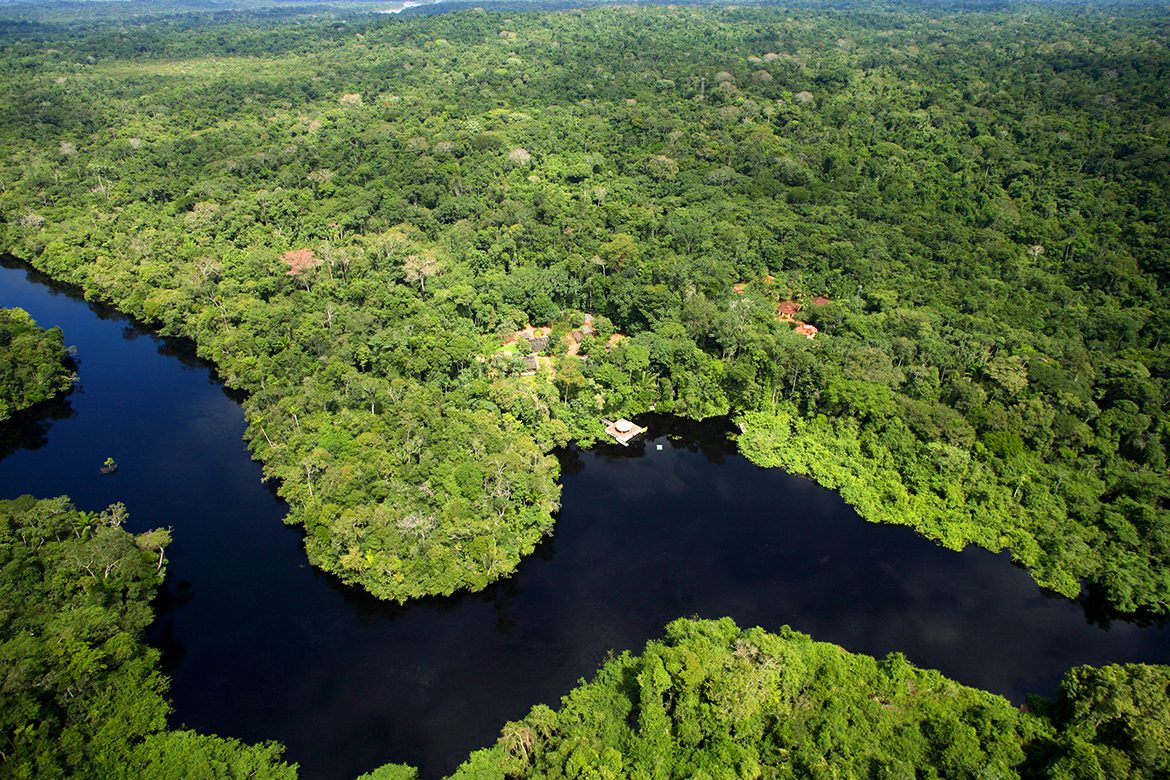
(261, 646)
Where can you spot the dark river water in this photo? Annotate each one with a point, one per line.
(261, 646)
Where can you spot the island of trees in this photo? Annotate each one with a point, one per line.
(34, 364)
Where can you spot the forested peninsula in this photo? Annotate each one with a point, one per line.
(35, 366)
(917, 254)
(712, 700)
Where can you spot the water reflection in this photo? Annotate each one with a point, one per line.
(28, 429)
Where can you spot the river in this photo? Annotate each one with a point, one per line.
(261, 646)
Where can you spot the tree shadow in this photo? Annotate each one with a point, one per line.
(28, 429)
(1100, 613)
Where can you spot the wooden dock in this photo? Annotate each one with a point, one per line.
(623, 431)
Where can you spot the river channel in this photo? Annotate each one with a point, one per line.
(261, 646)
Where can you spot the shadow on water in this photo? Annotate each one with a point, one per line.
(28, 429)
(1100, 613)
(260, 645)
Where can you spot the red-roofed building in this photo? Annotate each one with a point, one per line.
(786, 310)
(821, 300)
(808, 331)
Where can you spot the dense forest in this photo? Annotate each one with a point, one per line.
(711, 700)
(34, 363)
(356, 219)
(81, 694)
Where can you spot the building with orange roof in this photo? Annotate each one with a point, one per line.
(786, 311)
(808, 331)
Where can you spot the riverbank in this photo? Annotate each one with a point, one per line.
(261, 646)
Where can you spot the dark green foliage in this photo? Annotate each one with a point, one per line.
(80, 694)
(33, 363)
(712, 700)
(980, 194)
(1114, 722)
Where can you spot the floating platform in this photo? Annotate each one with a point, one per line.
(623, 430)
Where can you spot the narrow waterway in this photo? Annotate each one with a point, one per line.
(261, 646)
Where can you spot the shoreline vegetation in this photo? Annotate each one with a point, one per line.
(712, 700)
(83, 694)
(35, 365)
(353, 250)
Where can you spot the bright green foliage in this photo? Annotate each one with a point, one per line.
(872, 466)
(714, 701)
(175, 755)
(81, 695)
(980, 194)
(32, 362)
(392, 772)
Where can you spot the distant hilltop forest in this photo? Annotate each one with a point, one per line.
(918, 254)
